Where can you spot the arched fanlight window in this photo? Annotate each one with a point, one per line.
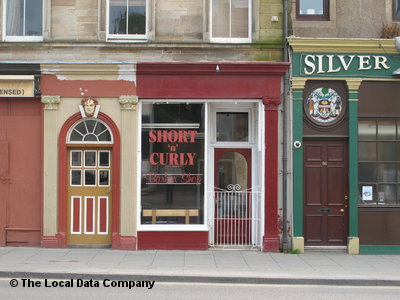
(90, 131)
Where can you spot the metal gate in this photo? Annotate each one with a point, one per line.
(236, 217)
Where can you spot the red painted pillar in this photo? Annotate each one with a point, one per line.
(271, 237)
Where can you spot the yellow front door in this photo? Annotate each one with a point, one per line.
(89, 197)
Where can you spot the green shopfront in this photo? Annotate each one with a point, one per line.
(346, 145)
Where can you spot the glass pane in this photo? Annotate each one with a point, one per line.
(76, 136)
(90, 158)
(104, 159)
(117, 17)
(367, 130)
(34, 17)
(105, 137)
(137, 17)
(397, 7)
(232, 170)
(104, 177)
(90, 124)
(76, 177)
(366, 151)
(220, 18)
(387, 172)
(311, 7)
(367, 172)
(240, 19)
(386, 151)
(15, 17)
(76, 158)
(81, 128)
(232, 126)
(90, 177)
(386, 130)
(100, 127)
(387, 194)
(90, 138)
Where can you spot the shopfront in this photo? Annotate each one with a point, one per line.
(346, 162)
(205, 177)
(20, 155)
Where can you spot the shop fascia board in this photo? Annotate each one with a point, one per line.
(339, 45)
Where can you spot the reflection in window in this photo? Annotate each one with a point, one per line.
(24, 18)
(172, 189)
(232, 127)
(127, 18)
(379, 162)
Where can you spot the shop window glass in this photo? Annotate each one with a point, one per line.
(230, 20)
(232, 127)
(24, 20)
(172, 174)
(396, 10)
(127, 19)
(379, 162)
(312, 10)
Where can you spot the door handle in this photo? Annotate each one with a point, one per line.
(341, 210)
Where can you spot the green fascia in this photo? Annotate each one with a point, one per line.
(381, 249)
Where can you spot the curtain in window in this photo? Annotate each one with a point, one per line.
(14, 17)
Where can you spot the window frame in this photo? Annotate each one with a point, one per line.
(248, 39)
(394, 16)
(126, 37)
(320, 17)
(21, 38)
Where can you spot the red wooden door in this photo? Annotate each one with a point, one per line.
(20, 172)
(325, 193)
(232, 220)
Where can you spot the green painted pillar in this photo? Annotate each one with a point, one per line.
(353, 241)
(297, 91)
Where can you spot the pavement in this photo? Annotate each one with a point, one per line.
(212, 266)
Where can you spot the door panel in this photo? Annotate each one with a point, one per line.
(325, 193)
(89, 196)
(20, 190)
(232, 197)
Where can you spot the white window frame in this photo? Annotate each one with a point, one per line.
(127, 37)
(21, 38)
(232, 40)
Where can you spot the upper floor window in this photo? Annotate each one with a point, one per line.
(230, 21)
(23, 20)
(127, 19)
(396, 10)
(312, 10)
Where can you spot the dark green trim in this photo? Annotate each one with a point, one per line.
(353, 164)
(381, 249)
(298, 165)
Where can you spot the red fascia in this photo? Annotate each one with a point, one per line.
(51, 85)
(204, 80)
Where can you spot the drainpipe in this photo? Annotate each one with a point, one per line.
(285, 107)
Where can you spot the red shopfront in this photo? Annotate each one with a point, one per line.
(206, 130)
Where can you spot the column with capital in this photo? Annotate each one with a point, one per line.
(271, 239)
(50, 171)
(129, 122)
(353, 243)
